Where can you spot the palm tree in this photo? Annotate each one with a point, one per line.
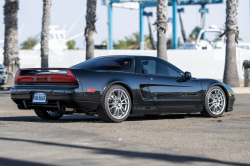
(231, 77)
(11, 60)
(194, 34)
(90, 28)
(45, 34)
(29, 43)
(133, 42)
(161, 24)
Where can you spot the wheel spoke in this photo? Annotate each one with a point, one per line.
(121, 94)
(115, 110)
(215, 109)
(124, 100)
(112, 107)
(211, 106)
(113, 96)
(211, 96)
(123, 110)
(118, 111)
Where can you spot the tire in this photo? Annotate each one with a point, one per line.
(114, 107)
(215, 102)
(48, 115)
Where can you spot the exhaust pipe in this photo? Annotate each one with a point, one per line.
(60, 107)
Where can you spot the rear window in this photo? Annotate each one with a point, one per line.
(117, 64)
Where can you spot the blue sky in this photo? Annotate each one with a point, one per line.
(125, 21)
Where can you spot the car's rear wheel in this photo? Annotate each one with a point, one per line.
(215, 102)
(49, 115)
(115, 105)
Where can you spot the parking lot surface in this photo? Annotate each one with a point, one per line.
(172, 139)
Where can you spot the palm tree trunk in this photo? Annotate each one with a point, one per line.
(161, 24)
(11, 60)
(45, 34)
(90, 28)
(231, 77)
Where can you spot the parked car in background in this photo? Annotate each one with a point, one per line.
(3, 75)
(210, 43)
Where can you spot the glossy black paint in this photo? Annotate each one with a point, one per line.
(177, 94)
(150, 94)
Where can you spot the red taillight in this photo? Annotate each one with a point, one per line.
(17, 75)
(66, 77)
(71, 76)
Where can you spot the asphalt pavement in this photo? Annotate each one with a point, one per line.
(172, 139)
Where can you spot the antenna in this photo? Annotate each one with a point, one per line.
(74, 24)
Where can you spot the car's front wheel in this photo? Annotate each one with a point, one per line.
(48, 115)
(215, 102)
(115, 105)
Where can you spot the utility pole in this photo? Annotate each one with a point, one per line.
(203, 12)
(141, 8)
(181, 10)
(175, 39)
(150, 14)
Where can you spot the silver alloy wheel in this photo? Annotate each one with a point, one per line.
(54, 113)
(118, 103)
(216, 101)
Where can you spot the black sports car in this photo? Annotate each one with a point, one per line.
(113, 87)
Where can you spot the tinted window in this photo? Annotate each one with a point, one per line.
(160, 67)
(122, 64)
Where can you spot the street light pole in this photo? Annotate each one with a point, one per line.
(175, 40)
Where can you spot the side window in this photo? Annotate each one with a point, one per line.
(149, 65)
(117, 64)
(160, 67)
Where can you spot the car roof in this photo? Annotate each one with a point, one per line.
(141, 56)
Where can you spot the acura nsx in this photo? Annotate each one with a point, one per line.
(114, 87)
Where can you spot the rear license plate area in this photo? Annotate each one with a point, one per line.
(39, 98)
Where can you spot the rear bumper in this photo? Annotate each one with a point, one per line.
(70, 98)
(23, 98)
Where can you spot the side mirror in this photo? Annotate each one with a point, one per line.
(188, 76)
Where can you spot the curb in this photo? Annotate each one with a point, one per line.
(5, 87)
